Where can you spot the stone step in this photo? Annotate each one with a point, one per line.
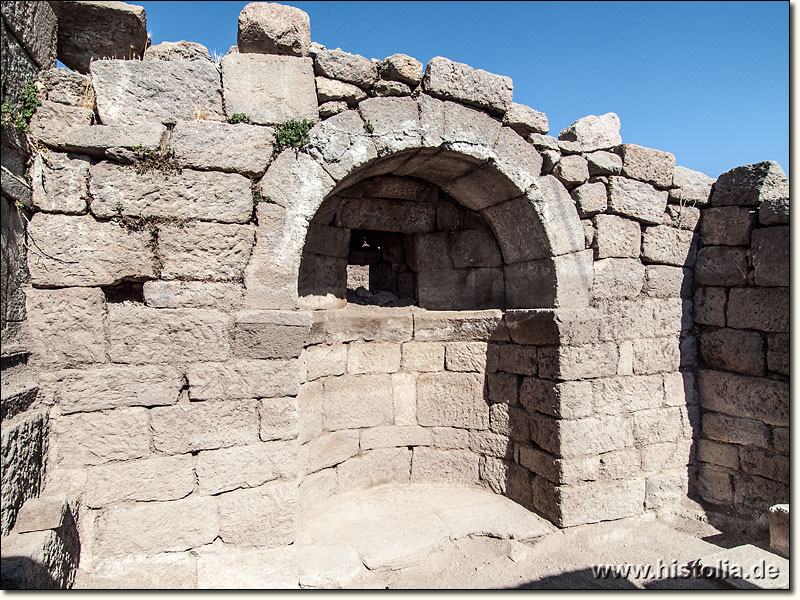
(746, 568)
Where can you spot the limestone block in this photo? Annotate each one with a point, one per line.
(637, 200)
(764, 463)
(99, 437)
(779, 528)
(445, 466)
(376, 467)
(317, 486)
(328, 241)
(588, 232)
(204, 425)
(567, 400)
(770, 252)
(373, 357)
(309, 410)
(66, 326)
(93, 30)
(778, 353)
(657, 426)
(52, 122)
(590, 198)
(35, 26)
(616, 236)
(209, 145)
(691, 187)
(668, 455)
(531, 284)
(469, 357)
(279, 419)
(463, 128)
(394, 437)
(404, 395)
(245, 466)
(665, 488)
(138, 334)
(452, 400)
(731, 430)
(237, 568)
(524, 120)
(444, 289)
(269, 28)
(269, 89)
(572, 171)
(766, 400)
(518, 360)
(618, 278)
(243, 379)
(358, 401)
(178, 51)
(592, 435)
(727, 225)
(714, 484)
(84, 390)
(604, 163)
(620, 464)
(270, 334)
(205, 251)
(550, 159)
(95, 140)
(599, 501)
(627, 394)
(548, 326)
(683, 217)
(145, 480)
(488, 443)
(450, 438)
(765, 309)
(328, 109)
(485, 186)
(457, 81)
(422, 357)
(329, 449)
(679, 389)
(721, 266)
(24, 448)
(593, 132)
(477, 325)
(335, 327)
(670, 246)
(130, 92)
(758, 493)
(401, 67)
(391, 88)
(733, 350)
(43, 513)
(60, 182)
(646, 164)
(752, 185)
(509, 421)
(656, 355)
(662, 281)
(324, 361)
(709, 305)
(351, 68)
(723, 455)
(578, 362)
(193, 294)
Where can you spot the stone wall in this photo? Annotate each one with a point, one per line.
(742, 310)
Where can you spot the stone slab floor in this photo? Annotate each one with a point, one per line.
(423, 536)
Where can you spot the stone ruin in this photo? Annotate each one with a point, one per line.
(206, 330)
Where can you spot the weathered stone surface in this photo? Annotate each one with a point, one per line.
(724, 455)
(765, 309)
(245, 466)
(727, 225)
(95, 140)
(404, 396)
(52, 122)
(588, 232)
(376, 467)
(593, 132)
(452, 400)
(392, 437)
(341, 144)
(617, 278)
(662, 281)
(84, 390)
(329, 449)
(778, 353)
(351, 68)
(656, 355)
(373, 357)
(137, 334)
(597, 501)
(269, 28)
(208, 145)
(456, 81)
(99, 437)
(578, 362)
(243, 379)
(657, 426)
(401, 67)
(766, 400)
(24, 445)
(770, 255)
(130, 92)
(154, 527)
(359, 401)
(328, 109)
(229, 568)
(66, 326)
(450, 466)
(520, 361)
(721, 266)
(561, 282)
(270, 334)
(328, 567)
(517, 160)
(96, 30)
(735, 431)
(381, 214)
(391, 88)
(604, 163)
(250, 87)
(669, 246)
(423, 357)
(163, 571)
(524, 120)
(35, 25)
(628, 394)
(177, 51)
(590, 198)
(757, 461)
(333, 89)
(193, 294)
(335, 327)
(204, 251)
(149, 479)
(394, 122)
(324, 361)
(683, 217)
(617, 237)
(752, 185)
(691, 187)
(278, 418)
(774, 211)
(647, 164)
(779, 528)
(60, 182)
(465, 129)
(224, 197)
(65, 87)
(204, 425)
(572, 171)
(474, 248)
(710, 305)
(469, 357)
(462, 325)
(547, 326)
(636, 199)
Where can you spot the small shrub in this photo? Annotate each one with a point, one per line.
(238, 118)
(258, 198)
(148, 160)
(19, 115)
(118, 207)
(368, 127)
(292, 134)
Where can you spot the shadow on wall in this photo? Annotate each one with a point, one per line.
(23, 573)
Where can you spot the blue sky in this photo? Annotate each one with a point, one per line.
(706, 81)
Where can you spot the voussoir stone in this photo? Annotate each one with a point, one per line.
(350, 68)
(269, 28)
(88, 31)
(130, 92)
(79, 251)
(445, 78)
(524, 120)
(233, 148)
(225, 197)
(401, 67)
(269, 89)
(177, 51)
(593, 132)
